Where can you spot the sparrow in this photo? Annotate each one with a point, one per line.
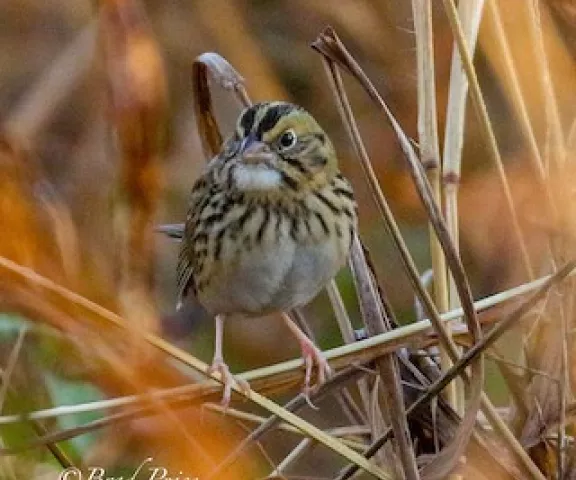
(270, 222)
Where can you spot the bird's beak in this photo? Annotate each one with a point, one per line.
(254, 151)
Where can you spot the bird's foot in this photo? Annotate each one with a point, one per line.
(229, 380)
(313, 358)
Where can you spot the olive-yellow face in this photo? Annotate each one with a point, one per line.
(279, 146)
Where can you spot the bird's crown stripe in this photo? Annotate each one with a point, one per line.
(262, 117)
(271, 117)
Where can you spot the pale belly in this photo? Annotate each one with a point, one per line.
(274, 277)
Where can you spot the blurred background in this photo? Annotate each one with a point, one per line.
(47, 50)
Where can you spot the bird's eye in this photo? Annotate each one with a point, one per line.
(288, 139)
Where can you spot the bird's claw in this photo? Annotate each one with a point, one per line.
(313, 358)
(229, 381)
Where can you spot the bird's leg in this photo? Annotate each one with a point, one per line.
(311, 354)
(219, 365)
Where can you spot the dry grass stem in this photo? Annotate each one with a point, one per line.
(470, 14)
(430, 158)
(482, 112)
(555, 137)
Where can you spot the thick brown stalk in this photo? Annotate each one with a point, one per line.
(372, 313)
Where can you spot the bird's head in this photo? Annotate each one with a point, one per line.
(278, 146)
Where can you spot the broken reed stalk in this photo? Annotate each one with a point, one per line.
(484, 119)
(470, 14)
(334, 52)
(349, 121)
(384, 208)
(430, 158)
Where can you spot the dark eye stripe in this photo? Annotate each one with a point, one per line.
(271, 118)
(297, 164)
